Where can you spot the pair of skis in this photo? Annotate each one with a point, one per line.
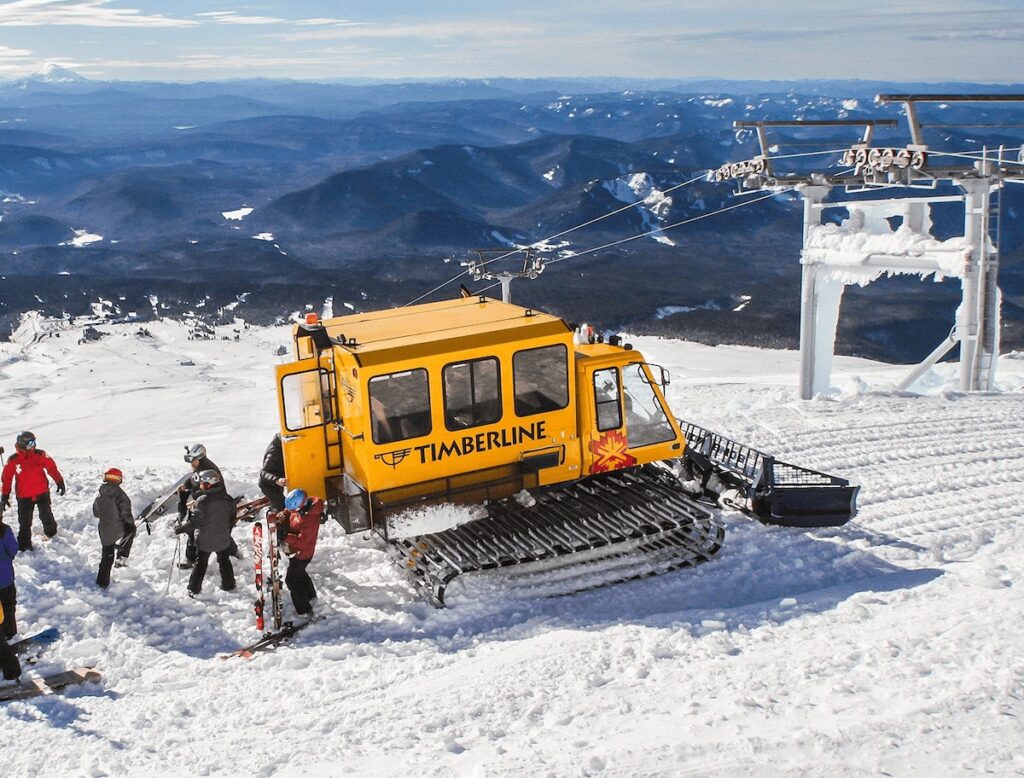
(274, 584)
(281, 631)
(38, 685)
(29, 650)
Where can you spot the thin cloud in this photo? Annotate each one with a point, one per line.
(460, 30)
(233, 17)
(1004, 36)
(229, 65)
(7, 53)
(327, 23)
(83, 13)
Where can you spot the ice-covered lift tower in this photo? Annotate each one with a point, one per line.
(890, 236)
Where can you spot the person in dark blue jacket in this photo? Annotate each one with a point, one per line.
(8, 594)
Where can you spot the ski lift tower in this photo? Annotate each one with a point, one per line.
(533, 266)
(866, 245)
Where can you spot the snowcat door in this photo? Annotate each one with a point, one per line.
(629, 424)
(311, 440)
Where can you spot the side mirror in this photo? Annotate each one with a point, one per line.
(659, 374)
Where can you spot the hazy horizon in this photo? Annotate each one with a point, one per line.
(210, 40)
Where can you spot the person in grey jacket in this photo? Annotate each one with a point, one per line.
(211, 518)
(116, 527)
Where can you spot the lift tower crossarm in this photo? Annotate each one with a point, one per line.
(533, 266)
(911, 100)
(867, 124)
(758, 173)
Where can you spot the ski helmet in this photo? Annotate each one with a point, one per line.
(208, 479)
(295, 499)
(197, 451)
(114, 475)
(25, 440)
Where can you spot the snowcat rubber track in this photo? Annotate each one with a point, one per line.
(640, 518)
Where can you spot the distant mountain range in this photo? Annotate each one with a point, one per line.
(293, 191)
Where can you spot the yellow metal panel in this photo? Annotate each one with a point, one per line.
(444, 453)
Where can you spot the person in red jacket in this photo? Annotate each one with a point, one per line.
(29, 467)
(302, 516)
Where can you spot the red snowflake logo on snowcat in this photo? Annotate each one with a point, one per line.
(610, 453)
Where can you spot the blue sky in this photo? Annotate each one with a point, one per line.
(190, 40)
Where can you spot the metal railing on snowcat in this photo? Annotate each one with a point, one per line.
(778, 492)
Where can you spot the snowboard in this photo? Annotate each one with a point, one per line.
(36, 644)
(269, 640)
(50, 684)
(158, 507)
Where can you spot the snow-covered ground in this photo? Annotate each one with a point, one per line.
(894, 645)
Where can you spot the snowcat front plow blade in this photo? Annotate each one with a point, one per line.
(615, 527)
(777, 492)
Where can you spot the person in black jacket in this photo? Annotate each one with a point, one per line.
(189, 493)
(8, 591)
(211, 518)
(9, 664)
(272, 481)
(116, 527)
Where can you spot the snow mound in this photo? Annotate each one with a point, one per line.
(238, 214)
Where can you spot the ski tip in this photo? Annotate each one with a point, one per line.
(88, 674)
(240, 654)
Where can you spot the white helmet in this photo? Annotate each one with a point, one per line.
(197, 451)
(208, 479)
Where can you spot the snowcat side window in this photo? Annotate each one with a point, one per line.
(606, 399)
(646, 420)
(540, 377)
(472, 394)
(400, 406)
(305, 398)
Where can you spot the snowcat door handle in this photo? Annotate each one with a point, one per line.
(341, 428)
(290, 438)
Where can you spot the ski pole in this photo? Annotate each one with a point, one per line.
(174, 562)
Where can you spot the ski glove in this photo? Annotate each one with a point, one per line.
(60, 488)
(5, 502)
(180, 529)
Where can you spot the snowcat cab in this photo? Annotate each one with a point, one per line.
(472, 401)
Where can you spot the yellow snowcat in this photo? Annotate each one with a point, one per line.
(479, 402)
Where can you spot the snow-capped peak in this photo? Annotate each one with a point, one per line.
(639, 189)
(52, 73)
